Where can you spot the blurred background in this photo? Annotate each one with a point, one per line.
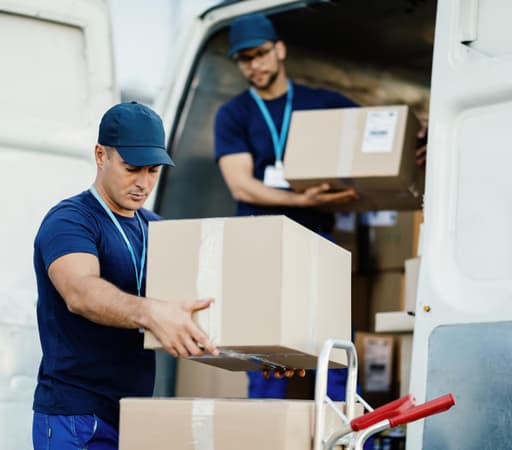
(143, 37)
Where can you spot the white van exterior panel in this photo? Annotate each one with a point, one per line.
(57, 80)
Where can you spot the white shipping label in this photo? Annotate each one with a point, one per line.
(378, 358)
(379, 131)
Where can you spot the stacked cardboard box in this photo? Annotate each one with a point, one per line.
(388, 282)
(192, 424)
(371, 149)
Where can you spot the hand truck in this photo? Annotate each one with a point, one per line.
(355, 431)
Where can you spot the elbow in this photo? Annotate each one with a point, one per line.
(240, 195)
(74, 305)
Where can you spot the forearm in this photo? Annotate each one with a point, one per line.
(255, 192)
(101, 302)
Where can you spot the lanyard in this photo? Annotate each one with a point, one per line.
(138, 273)
(280, 140)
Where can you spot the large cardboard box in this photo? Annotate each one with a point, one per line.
(389, 246)
(198, 424)
(280, 290)
(371, 149)
(377, 368)
(386, 293)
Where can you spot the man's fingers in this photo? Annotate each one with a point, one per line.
(301, 373)
(193, 347)
(339, 197)
(181, 350)
(198, 305)
(278, 373)
(288, 373)
(422, 132)
(315, 190)
(203, 341)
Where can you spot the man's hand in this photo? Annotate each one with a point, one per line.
(320, 195)
(173, 326)
(283, 373)
(421, 149)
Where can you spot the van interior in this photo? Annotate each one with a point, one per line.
(374, 52)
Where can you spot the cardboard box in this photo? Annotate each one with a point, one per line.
(389, 246)
(280, 290)
(361, 290)
(372, 149)
(193, 424)
(394, 322)
(375, 354)
(386, 293)
(194, 379)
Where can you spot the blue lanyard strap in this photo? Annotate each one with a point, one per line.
(138, 273)
(278, 141)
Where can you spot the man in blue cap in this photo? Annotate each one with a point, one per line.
(89, 260)
(250, 136)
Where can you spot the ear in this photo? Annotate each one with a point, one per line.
(100, 155)
(281, 50)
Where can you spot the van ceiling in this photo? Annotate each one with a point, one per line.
(383, 33)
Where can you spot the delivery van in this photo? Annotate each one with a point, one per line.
(448, 60)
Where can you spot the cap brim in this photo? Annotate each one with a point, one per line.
(145, 156)
(246, 45)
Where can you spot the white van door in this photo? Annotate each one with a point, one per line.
(57, 79)
(463, 331)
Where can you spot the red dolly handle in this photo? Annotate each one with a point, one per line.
(386, 411)
(426, 409)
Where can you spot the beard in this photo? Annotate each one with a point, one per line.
(272, 78)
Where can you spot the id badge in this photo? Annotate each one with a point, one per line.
(273, 177)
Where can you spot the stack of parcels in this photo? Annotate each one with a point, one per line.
(370, 149)
(199, 424)
(280, 290)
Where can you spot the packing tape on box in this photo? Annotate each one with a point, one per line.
(347, 141)
(202, 424)
(313, 294)
(209, 276)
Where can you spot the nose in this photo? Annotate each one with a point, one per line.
(256, 62)
(142, 179)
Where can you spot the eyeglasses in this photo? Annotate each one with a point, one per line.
(245, 59)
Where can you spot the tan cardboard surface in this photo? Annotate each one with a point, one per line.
(280, 290)
(386, 293)
(202, 424)
(391, 245)
(194, 379)
(332, 146)
(376, 361)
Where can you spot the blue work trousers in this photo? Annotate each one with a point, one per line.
(84, 432)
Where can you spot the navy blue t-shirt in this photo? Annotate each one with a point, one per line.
(86, 368)
(241, 128)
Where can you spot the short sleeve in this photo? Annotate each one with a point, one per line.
(66, 230)
(230, 133)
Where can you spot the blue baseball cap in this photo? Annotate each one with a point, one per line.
(250, 31)
(137, 133)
